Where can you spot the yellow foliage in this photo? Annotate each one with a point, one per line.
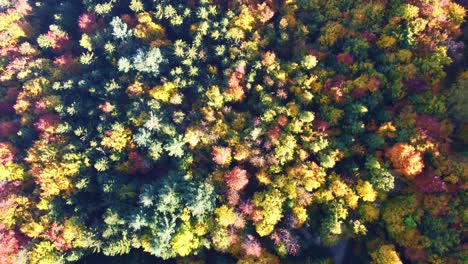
(53, 169)
(44, 253)
(245, 19)
(369, 212)
(386, 254)
(456, 13)
(236, 33)
(86, 43)
(331, 32)
(221, 239)
(263, 177)
(10, 29)
(309, 174)
(359, 228)
(366, 191)
(185, 215)
(352, 199)
(215, 98)
(163, 92)
(410, 11)
(200, 228)
(43, 204)
(11, 172)
(10, 216)
(184, 241)
(271, 203)
(21, 105)
(146, 242)
(386, 42)
(117, 138)
(339, 188)
(192, 136)
(265, 258)
(225, 216)
(301, 215)
(147, 29)
(56, 177)
(51, 101)
(36, 86)
(73, 233)
(7, 19)
(34, 229)
(242, 23)
(11, 35)
(434, 204)
(289, 187)
(324, 195)
(242, 152)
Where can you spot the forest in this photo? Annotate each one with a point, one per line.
(233, 131)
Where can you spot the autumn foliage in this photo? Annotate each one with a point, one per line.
(406, 159)
(233, 131)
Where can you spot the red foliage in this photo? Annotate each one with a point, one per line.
(334, 88)
(252, 246)
(282, 120)
(12, 93)
(345, 58)
(40, 106)
(257, 216)
(358, 93)
(428, 124)
(138, 163)
(427, 182)
(233, 197)
(416, 85)
(284, 236)
(130, 20)
(87, 23)
(46, 122)
(6, 152)
(337, 81)
(374, 83)
(425, 9)
(369, 36)
(321, 125)
(236, 179)
(10, 243)
(58, 42)
(264, 12)
(337, 94)
(8, 127)
(55, 234)
(406, 159)
(106, 107)
(10, 240)
(22, 7)
(274, 133)
(66, 62)
(415, 254)
(246, 207)
(233, 237)
(6, 108)
(235, 89)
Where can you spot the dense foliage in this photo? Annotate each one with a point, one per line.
(255, 129)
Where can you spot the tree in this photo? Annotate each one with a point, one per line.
(386, 254)
(406, 159)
